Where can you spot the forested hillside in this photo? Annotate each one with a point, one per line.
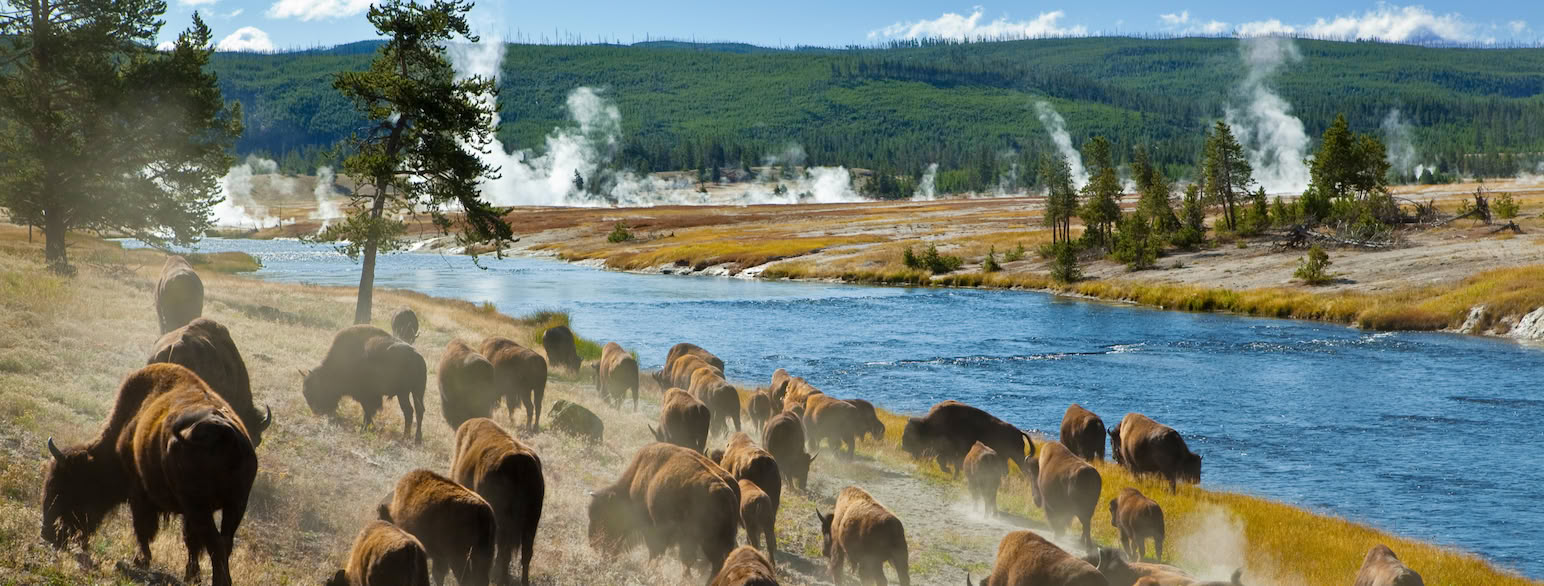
(967, 107)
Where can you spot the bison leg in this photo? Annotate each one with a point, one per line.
(1157, 547)
(536, 398)
(902, 567)
(405, 401)
(508, 540)
(1088, 524)
(147, 522)
(440, 569)
(199, 533)
(772, 545)
(838, 559)
(370, 405)
(872, 572)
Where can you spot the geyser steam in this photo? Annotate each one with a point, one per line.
(1056, 126)
(1273, 138)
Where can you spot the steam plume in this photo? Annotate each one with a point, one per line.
(1274, 139)
(239, 209)
(927, 189)
(1056, 126)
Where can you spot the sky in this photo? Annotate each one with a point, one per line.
(280, 25)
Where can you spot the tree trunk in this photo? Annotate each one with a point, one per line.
(367, 270)
(54, 252)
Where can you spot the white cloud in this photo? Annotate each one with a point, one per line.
(1182, 23)
(1518, 26)
(1175, 19)
(1213, 27)
(1386, 22)
(247, 38)
(196, 2)
(1262, 28)
(166, 46)
(955, 26)
(318, 9)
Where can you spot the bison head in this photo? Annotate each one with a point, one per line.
(717, 456)
(79, 489)
(1115, 444)
(911, 438)
(1190, 468)
(338, 579)
(825, 532)
(610, 522)
(319, 392)
(798, 469)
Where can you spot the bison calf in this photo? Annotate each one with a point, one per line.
(783, 437)
(616, 373)
(758, 514)
(864, 534)
(746, 567)
(672, 496)
(1382, 568)
(507, 474)
(833, 421)
(520, 375)
(1066, 487)
(1137, 518)
(984, 471)
(1083, 433)
(869, 425)
(759, 409)
(384, 555)
(1024, 558)
(457, 527)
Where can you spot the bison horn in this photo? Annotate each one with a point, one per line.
(53, 449)
(967, 579)
(267, 419)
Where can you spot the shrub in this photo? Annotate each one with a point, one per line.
(990, 264)
(1504, 206)
(1135, 244)
(1314, 269)
(1017, 254)
(619, 233)
(1064, 268)
(909, 259)
(939, 263)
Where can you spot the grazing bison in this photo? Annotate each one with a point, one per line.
(1066, 487)
(780, 379)
(1137, 518)
(869, 424)
(558, 341)
(1119, 572)
(520, 375)
(864, 534)
(457, 527)
(467, 384)
(744, 459)
(206, 348)
(984, 471)
(759, 409)
(179, 295)
(721, 398)
(672, 496)
(746, 567)
(616, 373)
(758, 514)
(574, 419)
(171, 446)
(367, 364)
(783, 437)
(683, 421)
(1382, 568)
(1027, 559)
(949, 430)
(833, 421)
(1145, 446)
(507, 474)
(1083, 433)
(404, 324)
(384, 555)
(688, 349)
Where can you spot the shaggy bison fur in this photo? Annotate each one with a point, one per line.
(949, 430)
(507, 474)
(368, 365)
(562, 352)
(467, 384)
(862, 533)
(455, 525)
(671, 496)
(1145, 446)
(179, 294)
(1066, 487)
(520, 376)
(206, 348)
(384, 555)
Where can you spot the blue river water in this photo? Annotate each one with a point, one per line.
(1433, 436)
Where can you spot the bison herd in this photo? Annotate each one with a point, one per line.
(181, 440)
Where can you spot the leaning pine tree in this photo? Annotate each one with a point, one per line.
(421, 150)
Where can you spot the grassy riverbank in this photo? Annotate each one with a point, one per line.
(65, 344)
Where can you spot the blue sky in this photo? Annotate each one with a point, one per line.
(266, 25)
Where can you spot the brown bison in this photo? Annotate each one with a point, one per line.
(833, 421)
(863, 534)
(574, 419)
(984, 471)
(1137, 518)
(562, 352)
(780, 379)
(367, 364)
(1083, 433)
(679, 372)
(746, 567)
(689, 349)
(1027, 559)
(758, 514)
(179, 295)
(1382, 568)
(457, 527)
(672, 496)
(384, 555)
(171, 446)
(519, 374)
(467, 384)
(616, 374)
(1066, 487)
(869, 424)
(798, 393)
(683, 421)
(759, 409)
(949, 430)
(507, 474)
(404, 324)
(1119, 572)
(744, 459)
(206, 348)
(783, 437)
(721, 398)
(1145, 446)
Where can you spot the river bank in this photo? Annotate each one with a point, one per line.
(317, 471)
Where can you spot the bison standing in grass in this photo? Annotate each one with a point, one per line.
(616, 374)
(1083, 433)
(468, 387)
(455, 525)
(862, 533)
(833, 421)
(869, 424)
(784, 438)
(721, 398)
(1137, 518)
(1066, 487)
(749, 463)
(1027, 559)
(949, 430)
(384, 555)
(179, 294)
(1145, 446)
(683, 421)
(984, 471)
(678, 373)
(759, 409)
(758, 515)
(519, 375)
(1382, 568)
(404, 325)
(746, 567)
(367, 364)
(688, 349)
(672, 496)
(171, 446)
(507, 474)
(206, 348)
(561, 349)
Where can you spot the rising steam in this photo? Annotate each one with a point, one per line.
(1056, 126)
(927, 188)
(239, 209)
(1402, 156)
(1273, 138)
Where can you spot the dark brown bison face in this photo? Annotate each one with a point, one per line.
(338, 579)
(911, 438)
(799, 469)
(609, 521)
(1113, 507)
(1190, 469)
(318, 391)
(1115, 444)
(825, 532)
(876, 429)
(717, 456)
(78, 492)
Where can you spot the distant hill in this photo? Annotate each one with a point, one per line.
(967, 107)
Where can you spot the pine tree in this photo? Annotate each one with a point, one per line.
(1225, 172)
(1061, 201)
(1100, 210)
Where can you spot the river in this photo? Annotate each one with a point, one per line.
(1433, 436)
